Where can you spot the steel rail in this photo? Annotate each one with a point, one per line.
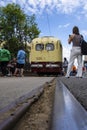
(68, 114)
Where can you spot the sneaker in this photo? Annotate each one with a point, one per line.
(67, 76)
(9, 75)
(79, 76)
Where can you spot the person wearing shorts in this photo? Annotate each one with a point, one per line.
(21, 56)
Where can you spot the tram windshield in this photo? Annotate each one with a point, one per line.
(39, 47)
(49, 46)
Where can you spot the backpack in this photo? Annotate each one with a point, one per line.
(83, 47)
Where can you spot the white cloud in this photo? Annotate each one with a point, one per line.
(2, 3)
(38, 6)
(64, 26)
(84, 33)
(67, 6)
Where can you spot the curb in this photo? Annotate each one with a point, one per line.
(11, 114)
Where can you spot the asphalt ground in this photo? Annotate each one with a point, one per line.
(12, 88)
(78, 87)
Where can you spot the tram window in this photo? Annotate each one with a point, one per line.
(49, 47)
(39, 47)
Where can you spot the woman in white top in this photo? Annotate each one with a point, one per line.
(75, 38)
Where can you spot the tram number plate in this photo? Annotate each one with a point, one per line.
(38, 58)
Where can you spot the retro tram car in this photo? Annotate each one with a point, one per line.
(46, 55)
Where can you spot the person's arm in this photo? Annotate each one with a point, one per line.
(18, 55)
(70, 38)
(9, 55)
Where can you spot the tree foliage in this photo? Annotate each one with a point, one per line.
(16, 28)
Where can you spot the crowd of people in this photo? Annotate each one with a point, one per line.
(9, 66)
(15, 66)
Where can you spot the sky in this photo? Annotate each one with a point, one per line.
(56, 17)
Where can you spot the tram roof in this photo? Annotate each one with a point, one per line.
(45, 39)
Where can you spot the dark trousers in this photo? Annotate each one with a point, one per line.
(4, 67)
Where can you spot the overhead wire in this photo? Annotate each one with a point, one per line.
(48, 24)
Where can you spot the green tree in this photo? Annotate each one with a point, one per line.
(31, 29)
(16, 27)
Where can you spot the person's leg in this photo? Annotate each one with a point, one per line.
(22, 70)
(17, 69)
(21, 73)
(4, 68)
(79, 60)
(13, 70)
(72, 58)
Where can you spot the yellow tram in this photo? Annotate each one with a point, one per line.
(46, 55)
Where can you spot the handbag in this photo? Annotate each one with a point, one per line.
(83, 47)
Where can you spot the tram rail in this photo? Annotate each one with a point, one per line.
(67, 114)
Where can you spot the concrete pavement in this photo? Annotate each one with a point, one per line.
(12, 88)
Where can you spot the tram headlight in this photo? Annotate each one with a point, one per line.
(52, 65)
(36, 65)
(40, 65)
(55, 65)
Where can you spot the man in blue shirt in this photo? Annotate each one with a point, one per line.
(21, 57)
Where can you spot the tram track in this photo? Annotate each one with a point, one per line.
(68, 113)
(65, 111)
